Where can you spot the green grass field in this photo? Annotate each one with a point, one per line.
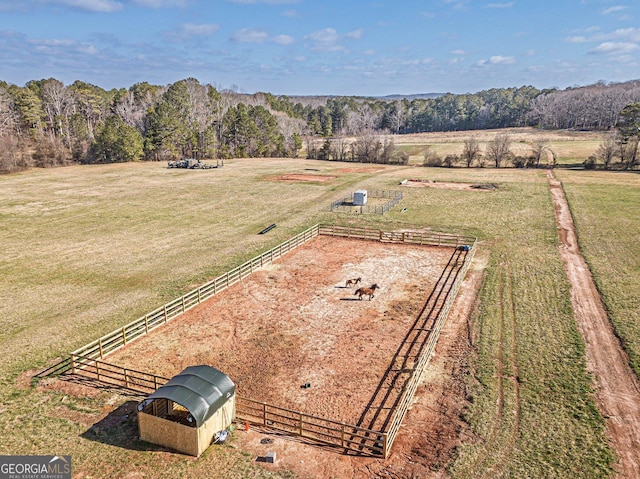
(87, 249)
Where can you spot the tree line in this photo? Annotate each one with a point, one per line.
(46, 123)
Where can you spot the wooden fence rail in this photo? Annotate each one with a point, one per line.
(409, 237)
(117, 375)
(118, 338)
(407, 397)
(325, 431)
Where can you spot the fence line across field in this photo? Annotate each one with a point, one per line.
(87, 360)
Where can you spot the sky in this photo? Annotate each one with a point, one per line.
(322, 47)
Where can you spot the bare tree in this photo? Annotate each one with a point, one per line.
(471, 151)
(367, 147)
(8, 114)
(362, 121)
(339, 148)
(627, 150)
(499, 149)
(431, 157)
(606, 151)
(538, 147)
(57, 103)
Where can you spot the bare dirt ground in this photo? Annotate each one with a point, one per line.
(617, 388)
(305, 177)
(295, 322)
(416, 183)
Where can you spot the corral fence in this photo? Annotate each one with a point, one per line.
(120, 337)
(428, 238)
(325, 431)
(406, 399)
(88, 360)
(345, 205)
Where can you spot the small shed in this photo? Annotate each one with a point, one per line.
(360, 198)
(187, 412)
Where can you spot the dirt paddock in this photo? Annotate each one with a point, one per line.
(295, 322)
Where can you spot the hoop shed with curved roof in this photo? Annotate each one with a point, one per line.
(186, 412)
(201, 390)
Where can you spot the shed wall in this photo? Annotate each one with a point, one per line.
(173, 435)
(186, 439)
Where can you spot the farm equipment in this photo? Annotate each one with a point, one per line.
(192, 164)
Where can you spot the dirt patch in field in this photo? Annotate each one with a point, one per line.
(305, 177)
(417, 183)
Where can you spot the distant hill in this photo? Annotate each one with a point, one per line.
(413, 96)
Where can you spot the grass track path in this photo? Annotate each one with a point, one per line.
(617, 387)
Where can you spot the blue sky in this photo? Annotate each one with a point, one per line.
(332, 47)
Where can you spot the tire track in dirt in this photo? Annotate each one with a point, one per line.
(617, 387)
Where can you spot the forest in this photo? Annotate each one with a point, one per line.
(46, 123)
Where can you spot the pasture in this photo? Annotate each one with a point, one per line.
(87, 249)
(570, 147)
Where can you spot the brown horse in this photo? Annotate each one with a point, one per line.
(353, 282)
(368, 291)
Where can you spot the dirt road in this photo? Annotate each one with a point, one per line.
(617, 387)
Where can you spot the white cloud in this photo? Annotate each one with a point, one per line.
(616, 48)
(289, 13)
(102, 6)
(250, 35)
(326, 40)
(500, 60)
(631, 34)
(501, 5)
(497, 60)
(63, 47)
(576, 39)
(614, 9)
(160, 3)
(268, 2)
(199, 29)
(88, 49)
(283, 39)
(329, 40)
(457, 52)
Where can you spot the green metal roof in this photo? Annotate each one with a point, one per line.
(202, 390)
